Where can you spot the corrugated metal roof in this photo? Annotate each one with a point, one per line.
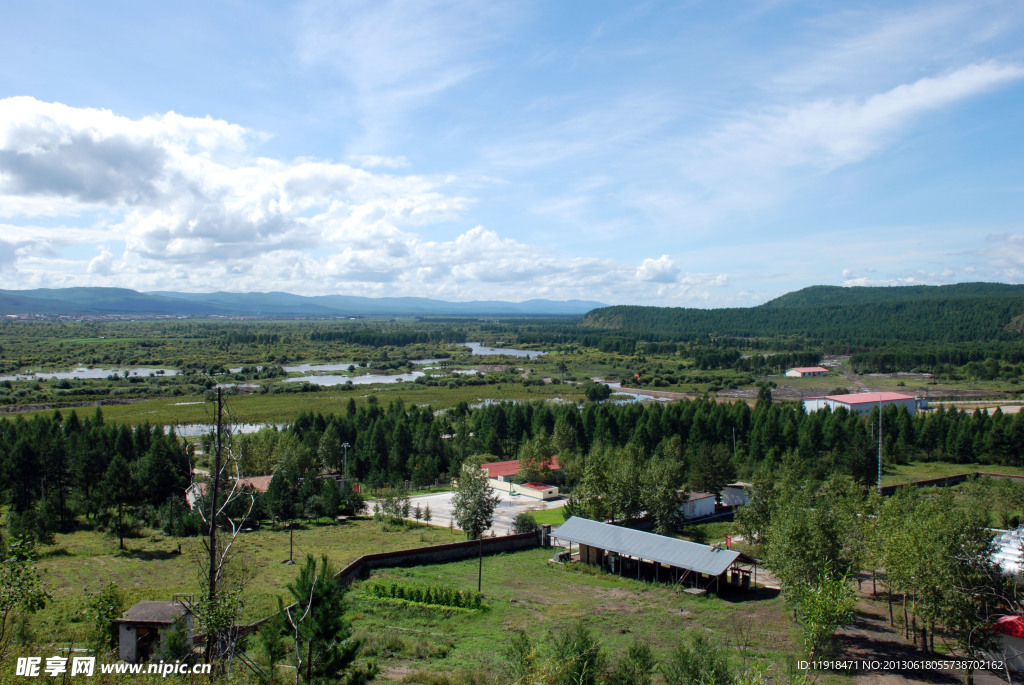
(637, 543)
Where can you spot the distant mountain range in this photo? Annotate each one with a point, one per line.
(124, 302)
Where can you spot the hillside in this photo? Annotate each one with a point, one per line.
(121, 301)
(967, 312)
(824, 295)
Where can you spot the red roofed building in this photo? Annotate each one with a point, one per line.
(197, 490)
(861, 402)
(1011, 642)
(504, 471)
(803, 371)
(501, 473)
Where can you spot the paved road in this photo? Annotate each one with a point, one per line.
(504, 514)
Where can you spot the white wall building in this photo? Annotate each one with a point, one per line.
(861, 402)
(698, 505)
(143, 629)
(805, 371)
(736, 494)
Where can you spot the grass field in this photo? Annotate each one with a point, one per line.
(151, 568)
(921, 470)
(552, 516)
(526, 592)
(522, 590)
(284, 407)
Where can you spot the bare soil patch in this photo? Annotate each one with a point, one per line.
(871, 638)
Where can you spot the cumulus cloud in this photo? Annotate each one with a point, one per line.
(102, 264)
(661, 270)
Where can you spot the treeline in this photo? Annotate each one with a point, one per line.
(55, 469)
(933, 552)
(398, 337)
(980, 361)
(57, 473)
(953, 320)
(732, 358)
(398, 443)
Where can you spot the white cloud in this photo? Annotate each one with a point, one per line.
(829, 133)
(398, 56)
(7, 254)
(372, 161)
(102, 264)
(661, 270)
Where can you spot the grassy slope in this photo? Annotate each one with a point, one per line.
(525, 592)
(920, 470)
(151, 568)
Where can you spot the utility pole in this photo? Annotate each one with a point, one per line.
(345, 446)
(480, 562)
(879, 446)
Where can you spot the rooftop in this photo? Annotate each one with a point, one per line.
(496, 469)
(866, 397)
(149, 611)
(648, 546)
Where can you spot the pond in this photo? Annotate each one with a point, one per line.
(329, 380)
(314, 368)
(192, 430)
(477, 348)
(88, 374)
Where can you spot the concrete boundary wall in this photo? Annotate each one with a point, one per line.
(946, 481)
(438, 554)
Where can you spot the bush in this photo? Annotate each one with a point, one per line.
(525, 523)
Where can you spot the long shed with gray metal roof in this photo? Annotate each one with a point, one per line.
(689, 563)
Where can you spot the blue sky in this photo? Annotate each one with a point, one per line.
(700, 154)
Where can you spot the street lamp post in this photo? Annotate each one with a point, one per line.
(345, 446)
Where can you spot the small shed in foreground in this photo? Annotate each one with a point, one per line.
(655, 557)
(143, 630)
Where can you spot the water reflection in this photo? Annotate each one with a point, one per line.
(479, 349)
(83, 373)
(368, 379)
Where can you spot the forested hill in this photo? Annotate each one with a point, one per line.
(956, 313)
(823, 295)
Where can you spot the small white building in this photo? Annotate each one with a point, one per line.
(861, 402)
(698, 505)
(736, 494)
(805, 371)
(143, 630)
(1006, 551)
